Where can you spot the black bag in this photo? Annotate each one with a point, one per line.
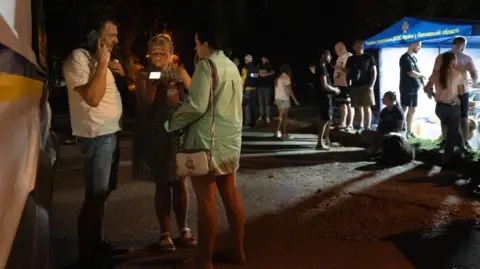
(396, 150)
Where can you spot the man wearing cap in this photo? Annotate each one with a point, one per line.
(250, 79)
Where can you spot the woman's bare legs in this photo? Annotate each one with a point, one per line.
(180, 202)
(322, 134)
(234, 208)
(280, 120)
(327, 133)
(163, 205)
(205, 188)
(285, 122)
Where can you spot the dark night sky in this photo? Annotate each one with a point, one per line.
(288, 32)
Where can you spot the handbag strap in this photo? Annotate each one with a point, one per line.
(212, 96)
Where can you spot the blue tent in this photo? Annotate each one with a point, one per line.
(432, 33)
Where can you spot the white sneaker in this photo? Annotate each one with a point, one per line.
(278, 134)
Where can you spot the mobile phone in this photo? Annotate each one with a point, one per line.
(154, 75)
(92, 38)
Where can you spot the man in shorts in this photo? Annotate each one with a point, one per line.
(410, 81)
(340, 81)
(362, 75)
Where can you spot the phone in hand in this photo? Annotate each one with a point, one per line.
(92, 38)
(154, 75)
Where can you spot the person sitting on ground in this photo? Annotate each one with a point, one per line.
(391, 121)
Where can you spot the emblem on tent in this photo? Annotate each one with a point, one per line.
(405, 27)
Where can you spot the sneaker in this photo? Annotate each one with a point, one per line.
(259, 119)
(269, 120)
(278, 134)
(285, 136)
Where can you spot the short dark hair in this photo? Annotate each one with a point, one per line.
(459, 40)
(358, 41)
(97, 22)
(212, 34)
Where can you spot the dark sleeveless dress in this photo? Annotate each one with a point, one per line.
(154, 148)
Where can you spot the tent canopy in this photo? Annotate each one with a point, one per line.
(432, 33)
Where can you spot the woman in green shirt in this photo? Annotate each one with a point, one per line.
(196, 115)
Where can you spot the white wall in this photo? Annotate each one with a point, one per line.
(390, 75)
(7, 11)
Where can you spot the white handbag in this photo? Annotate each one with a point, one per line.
(199, 162)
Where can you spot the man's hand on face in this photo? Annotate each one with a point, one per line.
(103, 53)
(116, 67)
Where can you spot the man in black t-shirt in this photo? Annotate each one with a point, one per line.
(410, 81)
(326, 91)
(265, 90)
(362, 75)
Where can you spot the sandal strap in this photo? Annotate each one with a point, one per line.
(165, 241)
(186, 230)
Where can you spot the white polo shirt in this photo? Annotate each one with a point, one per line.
(87, 121)
(340, 77)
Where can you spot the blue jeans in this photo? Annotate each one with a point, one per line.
(251, 108)
(101, 158)
(265, 101)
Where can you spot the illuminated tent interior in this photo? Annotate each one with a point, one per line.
(436, 37)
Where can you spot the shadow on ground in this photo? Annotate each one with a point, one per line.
(376, 219)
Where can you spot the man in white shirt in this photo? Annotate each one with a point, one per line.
(95, 112)
(340, 81)
(464, 64)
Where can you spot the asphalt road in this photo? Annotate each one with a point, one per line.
(305, 209)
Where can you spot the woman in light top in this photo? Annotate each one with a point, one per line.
(449, 85)
(283, 93)
(225, 149)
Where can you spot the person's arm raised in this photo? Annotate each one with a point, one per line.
(92, 92)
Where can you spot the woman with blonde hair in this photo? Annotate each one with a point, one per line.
(154, 149)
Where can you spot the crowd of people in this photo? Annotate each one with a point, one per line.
(175, 113)
(206, 113)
